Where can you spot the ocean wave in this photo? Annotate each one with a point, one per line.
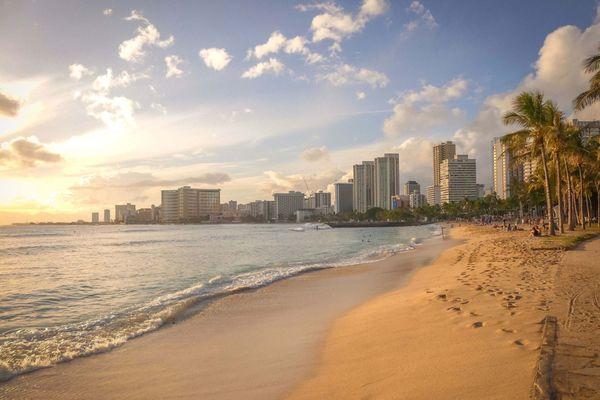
(140, 242)
(25, 350)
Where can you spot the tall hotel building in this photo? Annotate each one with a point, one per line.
(458, 179)
(107, 216)
(387, 180)
(363, 196)
(502, 170)
(343, 197)
(286, 204)
(187, 204)
(441, 152)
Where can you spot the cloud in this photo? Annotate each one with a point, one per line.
(346, 74)
(315, 154)
(558, 73)
(278, 42)
(134, 49)
(26, 152)
(215, 58)
(336, 24)
(9, 107)
(139, 180)
(423, 18)
(279, 182)
(273, 66)
(115, 112)
(159, 107)
(418, 111)
(173, 69)
(104, 83)
(78, 71)
(107, 11)
(361, 95)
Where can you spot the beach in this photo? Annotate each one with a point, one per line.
(460, 318)
(255, 344)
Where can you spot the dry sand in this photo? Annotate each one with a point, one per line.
(466, 327)
(252, 345)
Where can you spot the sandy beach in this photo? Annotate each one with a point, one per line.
(469, 326)
(252, 345)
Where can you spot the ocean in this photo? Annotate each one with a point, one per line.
(70, 291)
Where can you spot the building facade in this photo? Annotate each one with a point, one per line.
(186, 204)
(589, 129)
(107, 216)
(343, 197)
(433, 195)
(387, 180)
(441, 152)
(286, 204)
(458, 179)
(95, 218)
(412, 187)
(124, 211)
(363, 186)
(400, 201)
(416, 200)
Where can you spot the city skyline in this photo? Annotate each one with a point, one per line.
(257, 107)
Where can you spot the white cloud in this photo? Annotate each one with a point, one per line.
(423, 17)
(115, 112)
(134, 49)
(107, 11)
(9, 106)
(279, 182)
(273, 66)
(278, 42)
(215, 58)
(159, 107)
(104, 83)
(78, 71)
(346, 74)
(336, 24)
(361, 95)
(419, 111)
(173, 69)
(315, 154)
(26, 152)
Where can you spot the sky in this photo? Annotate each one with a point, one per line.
(109, 102)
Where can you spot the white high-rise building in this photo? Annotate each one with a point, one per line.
(458, 179)
(387, 180)
(416, 200)
(363, 186)
(189, 205)
(343, 197)
(441, 152)
(433, 195)
(286, 204)
(107, 216)
(124, 211)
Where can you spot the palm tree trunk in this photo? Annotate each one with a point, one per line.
(588, 204)
(569, 199)
(561, 227)
(582, 220)
(598, 204)
(551, 230)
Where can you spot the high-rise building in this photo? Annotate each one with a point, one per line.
(412, 187)
(480, 190)
(189, 205)
(232, 205)
(95, 218)
(286, 204)
(387, 180)
(589, 129)
(433, 195)
(107, 216)
(319, 199)
(343, 197)
(363, 186)
(458, 179)
(441, 152)
(416, 200)
(400, 201)
(124, 211)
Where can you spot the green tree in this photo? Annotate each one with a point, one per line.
(591, 66)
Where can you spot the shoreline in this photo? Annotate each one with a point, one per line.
(344, 289)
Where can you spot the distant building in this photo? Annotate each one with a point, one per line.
(400, 201)
(232, 205)
(363, 187)
(480, 190)
(321, 199)
(286, 204)
(458, 179)
(504, 171)
(387, 180)
(412, 187)
(343, 197)
(124, 211)
(144, 216)
(441, 152)
(304, 214)
(589, 129)
(95, 218)
(433, 195)
(416, 200)
(529, 167)
(186, 204)
(107, 216)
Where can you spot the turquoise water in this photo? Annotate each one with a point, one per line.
(67, 291)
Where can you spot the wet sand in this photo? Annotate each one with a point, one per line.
(253, 345)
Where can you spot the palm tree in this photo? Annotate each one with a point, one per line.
(592, 95)
(530, 112)
(556, 142)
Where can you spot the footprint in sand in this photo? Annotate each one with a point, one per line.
(477, 324)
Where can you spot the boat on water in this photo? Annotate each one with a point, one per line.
(310, 227)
